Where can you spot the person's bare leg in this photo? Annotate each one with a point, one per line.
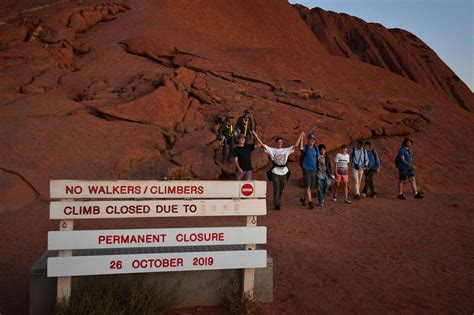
(308, 193)
(400, 187)
(336, 190)
(346, 191)
(413, 185)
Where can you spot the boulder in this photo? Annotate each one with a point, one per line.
(58, 34)
(78, 23)
(200, 161)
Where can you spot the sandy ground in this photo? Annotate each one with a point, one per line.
(373, 256)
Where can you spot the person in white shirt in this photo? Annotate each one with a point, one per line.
(280, 171)
(342, 172)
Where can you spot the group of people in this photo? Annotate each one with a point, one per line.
(362, 162)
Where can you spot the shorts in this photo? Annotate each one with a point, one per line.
(309, 178)
(404, 174)
(342, 178)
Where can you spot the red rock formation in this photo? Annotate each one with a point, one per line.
(393, 49)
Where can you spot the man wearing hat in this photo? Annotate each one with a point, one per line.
(309, 164)
(244, 126)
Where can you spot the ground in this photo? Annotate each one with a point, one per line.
(371, 256)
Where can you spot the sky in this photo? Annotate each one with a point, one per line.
(447, 26)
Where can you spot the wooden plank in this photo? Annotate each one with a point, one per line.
(249, 273)
(63, 292)
(155, 208)
(140, 263)
(122, 189)
(131, 238)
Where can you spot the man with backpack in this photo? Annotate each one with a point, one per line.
(309, 165)
(360, 162)
(226, 138)
(279, 172)
(406, 169)
(372, 169)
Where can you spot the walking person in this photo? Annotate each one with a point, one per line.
(359, 162)
(309, 164)
(342, 161)
(372, 169)
(279, 171)
(226, 138)
(243, 158)
(245, 126)
(406, 169)
(324, 173)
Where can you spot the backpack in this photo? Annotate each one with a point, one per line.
(303, 155)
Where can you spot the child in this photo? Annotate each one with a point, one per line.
(324, 173)
(342, 172)
(406, 169)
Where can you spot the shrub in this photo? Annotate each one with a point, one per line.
(238, 302)
(117, 295)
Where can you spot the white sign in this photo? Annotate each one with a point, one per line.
(70, 189)
(100, 239)
(156, 208)
(139, 263)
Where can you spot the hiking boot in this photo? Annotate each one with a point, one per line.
(401, 197)
(277, 208)
(347, 201)
(303, 201)
(311, 205)
(418, 196)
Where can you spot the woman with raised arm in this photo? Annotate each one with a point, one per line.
(279, 172)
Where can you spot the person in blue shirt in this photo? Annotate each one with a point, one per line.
(406, 169)
(372, 169)
(309, 164)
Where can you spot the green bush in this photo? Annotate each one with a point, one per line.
(117, 295)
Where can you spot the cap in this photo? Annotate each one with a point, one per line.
(311, 137)
(246, 111)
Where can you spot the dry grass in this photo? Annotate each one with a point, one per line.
(238, 302)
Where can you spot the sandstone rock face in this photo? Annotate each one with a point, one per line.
(396, 50)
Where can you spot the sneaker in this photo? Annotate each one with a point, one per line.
(311, 205)
(363, 195)
(373, 196)
(277, 208)
(347, 201)
(357, 197)
(401, 197)
(321, 204)
(334, 199)
(418, 196)
(303, 201)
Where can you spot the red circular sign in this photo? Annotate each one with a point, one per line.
(247, 189)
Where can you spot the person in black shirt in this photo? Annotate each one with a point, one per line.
(245, 126)
(243, 158)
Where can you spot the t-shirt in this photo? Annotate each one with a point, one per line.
(243, 155)
(322, 171)
(280, 157)
(342, 163)
(405, 152)
(310, 159)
